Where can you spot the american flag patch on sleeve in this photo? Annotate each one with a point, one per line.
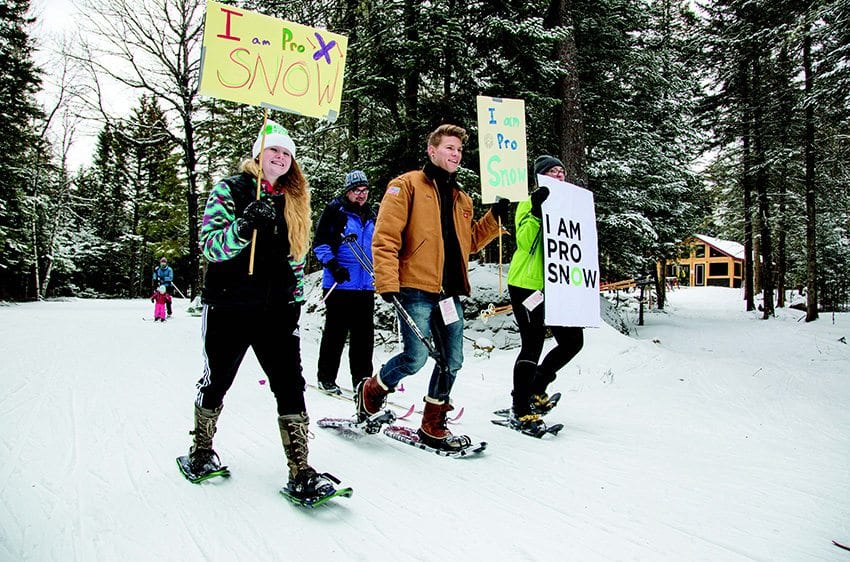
(393, 189)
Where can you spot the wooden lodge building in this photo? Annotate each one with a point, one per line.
(706, 261)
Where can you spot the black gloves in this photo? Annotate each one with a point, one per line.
(500, 209)
(388, 297)
(537, 199)
(257, 215)
(339, 273)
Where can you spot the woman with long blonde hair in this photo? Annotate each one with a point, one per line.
(257, 303)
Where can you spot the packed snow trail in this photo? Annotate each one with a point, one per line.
(724, 440)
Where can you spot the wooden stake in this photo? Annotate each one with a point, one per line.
(259, 187)
(500, 257)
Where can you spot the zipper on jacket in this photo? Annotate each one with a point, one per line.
(537, 239)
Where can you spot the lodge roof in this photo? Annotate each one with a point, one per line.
(728, 247)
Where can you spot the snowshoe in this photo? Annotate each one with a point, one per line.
(450, 442)
(311, 489)
(530, 424)
(412, 438)
(543, 404)
(541, 407)
(370, 425)
(201, 465)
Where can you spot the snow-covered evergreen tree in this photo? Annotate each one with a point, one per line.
(19, 151)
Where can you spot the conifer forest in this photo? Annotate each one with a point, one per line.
(728, 118)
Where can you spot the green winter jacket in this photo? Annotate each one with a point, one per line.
(526, 268)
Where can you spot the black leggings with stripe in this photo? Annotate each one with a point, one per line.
(272, 334)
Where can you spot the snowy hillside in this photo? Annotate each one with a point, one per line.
(708, 434)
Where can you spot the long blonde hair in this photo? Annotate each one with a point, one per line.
(296, 212)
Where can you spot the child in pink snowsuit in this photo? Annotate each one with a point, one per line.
(160, 297)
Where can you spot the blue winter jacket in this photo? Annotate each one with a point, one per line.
(163, 275)
(341, 218)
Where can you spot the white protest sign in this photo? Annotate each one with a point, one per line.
(570, 255)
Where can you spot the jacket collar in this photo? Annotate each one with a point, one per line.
(439, 175)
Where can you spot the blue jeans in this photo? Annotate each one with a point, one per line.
(424, 309)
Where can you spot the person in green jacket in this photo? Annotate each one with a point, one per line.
(525, 279)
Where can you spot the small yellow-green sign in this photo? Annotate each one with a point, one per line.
(260, 60)
(502, 149)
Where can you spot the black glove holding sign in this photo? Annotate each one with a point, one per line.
(537, 199)
(258, 215)
(500, 209)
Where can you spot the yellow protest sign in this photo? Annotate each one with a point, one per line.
(260, 60)
(502, 149)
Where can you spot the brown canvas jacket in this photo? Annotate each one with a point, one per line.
(407, 247)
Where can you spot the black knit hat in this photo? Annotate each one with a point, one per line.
(545, 163)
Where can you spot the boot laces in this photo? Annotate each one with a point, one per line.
(204, 432)
(300, 434)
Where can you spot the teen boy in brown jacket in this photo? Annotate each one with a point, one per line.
(423, 237)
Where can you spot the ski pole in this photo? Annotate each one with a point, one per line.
(324, 298)
(176, 288)
(359, 253)
(361, 257)
(432, 351)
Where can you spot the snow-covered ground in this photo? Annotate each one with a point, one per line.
(709, 434)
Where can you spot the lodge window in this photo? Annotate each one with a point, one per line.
(715, 253)
(718, 269)
(699, 251)
(737, 269)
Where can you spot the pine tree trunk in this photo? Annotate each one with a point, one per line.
(746, 185)
(781, 249)
(757, 288)
(191, 162)
(786, 109)
(411, 89)
(351, 17)
(811, 214)
(761, 189)
(661, 282)
(569, 128)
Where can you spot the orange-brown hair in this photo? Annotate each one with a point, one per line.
(447, 130)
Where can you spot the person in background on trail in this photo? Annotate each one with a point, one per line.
(424, 235)
(164, 276)
(348, 287)
(161, 298)
(525, 278)
(259, 310)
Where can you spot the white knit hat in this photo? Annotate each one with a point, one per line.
(276, 135)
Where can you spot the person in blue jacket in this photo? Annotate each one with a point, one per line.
(164, 276)
(345, 227)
